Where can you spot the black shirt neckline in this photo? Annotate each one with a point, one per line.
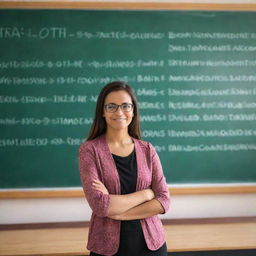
(124, 156)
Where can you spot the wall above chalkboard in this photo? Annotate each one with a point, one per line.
(193, 72)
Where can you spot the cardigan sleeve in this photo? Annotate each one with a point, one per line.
(89, 171)
(159, 185)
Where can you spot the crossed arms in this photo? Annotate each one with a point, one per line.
(138, 205)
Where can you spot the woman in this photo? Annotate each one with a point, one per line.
(122, 179)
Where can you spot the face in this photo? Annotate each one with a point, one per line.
(119, 119)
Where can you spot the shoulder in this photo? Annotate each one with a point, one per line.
(91, 145)
(145, 145)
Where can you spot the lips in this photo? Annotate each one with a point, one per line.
(119, 119)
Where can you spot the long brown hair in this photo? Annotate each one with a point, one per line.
(99, 126)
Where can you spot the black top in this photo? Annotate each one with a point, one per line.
(127, 170)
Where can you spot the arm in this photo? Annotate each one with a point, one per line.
(145, 210)
(101, 203)
(160, 204)
(120, 204)
(98, 201)
(159, 185)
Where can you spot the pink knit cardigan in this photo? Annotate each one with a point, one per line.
(96, 162)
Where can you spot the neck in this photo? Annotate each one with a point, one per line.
(118, 137)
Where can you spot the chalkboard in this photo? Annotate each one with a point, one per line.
(193, 73)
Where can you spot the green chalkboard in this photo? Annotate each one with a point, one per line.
(193, 73)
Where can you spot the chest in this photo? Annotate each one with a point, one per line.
(121, 150)
(110, 176)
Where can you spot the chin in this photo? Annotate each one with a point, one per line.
(119, 126)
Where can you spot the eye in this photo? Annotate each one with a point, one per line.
(127, 106)
(111, 107)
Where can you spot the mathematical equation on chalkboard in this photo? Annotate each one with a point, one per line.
(192, 84)
(64, 32)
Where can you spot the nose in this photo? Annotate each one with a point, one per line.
(119, 110)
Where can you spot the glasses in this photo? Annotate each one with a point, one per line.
(112, 107)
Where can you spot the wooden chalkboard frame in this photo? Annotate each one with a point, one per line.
(182, 190)
(128, 5)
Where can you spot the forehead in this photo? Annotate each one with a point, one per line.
(118, 97)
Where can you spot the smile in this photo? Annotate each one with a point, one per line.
(119, 119)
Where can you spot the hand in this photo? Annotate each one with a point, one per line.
(98, 185)
(149, 194)
(116, 217)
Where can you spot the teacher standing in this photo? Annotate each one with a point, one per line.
(122, 179)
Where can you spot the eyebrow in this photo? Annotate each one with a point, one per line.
(119, 104)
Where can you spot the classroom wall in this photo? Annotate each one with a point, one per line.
(77, 209)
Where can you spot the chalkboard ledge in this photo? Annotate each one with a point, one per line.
(189, 189)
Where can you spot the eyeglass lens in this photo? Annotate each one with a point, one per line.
(126, 107)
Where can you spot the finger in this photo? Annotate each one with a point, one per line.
(97, 181)
(98, 184)
(98, 188)
(101, 186)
